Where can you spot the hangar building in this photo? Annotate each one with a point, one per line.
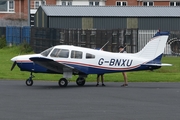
(108, 17)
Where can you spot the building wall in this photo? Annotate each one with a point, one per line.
(48, 2)
(109, 23)
(87, 22)
(111, 2)
(51, 2)
(132, 23)
(161, 3)
(24, 7)
(157, 3)
(20, 11)
(132, 2)
(41, 19)
(139, 2)
(82, 22)
(16, 18)
(164, 24)
(129, 2)
(65, 22)
(81, 2)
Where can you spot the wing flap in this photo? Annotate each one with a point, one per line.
(51, 64)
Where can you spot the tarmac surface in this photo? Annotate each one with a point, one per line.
(47, 101)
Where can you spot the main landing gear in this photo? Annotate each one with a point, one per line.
(29, 81)
(80, 81)
(63, 82)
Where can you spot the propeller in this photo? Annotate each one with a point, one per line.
(14, 64)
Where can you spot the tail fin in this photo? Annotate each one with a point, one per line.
(155, 47)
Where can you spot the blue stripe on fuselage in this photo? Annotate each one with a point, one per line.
(32, 67)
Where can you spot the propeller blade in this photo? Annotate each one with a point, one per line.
(14, 64)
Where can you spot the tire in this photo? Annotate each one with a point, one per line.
(29, 82)
(63, 82)
(80, 81)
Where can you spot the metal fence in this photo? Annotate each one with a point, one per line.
(133, 39)
(2, 31)
(172, 46)
(42, 38)
(17, 35)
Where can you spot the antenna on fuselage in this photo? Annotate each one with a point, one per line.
(104, 45)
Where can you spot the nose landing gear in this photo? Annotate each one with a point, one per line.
(29, 81)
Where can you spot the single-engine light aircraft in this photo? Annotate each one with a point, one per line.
(72, 60)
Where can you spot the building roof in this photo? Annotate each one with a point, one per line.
(112, 11)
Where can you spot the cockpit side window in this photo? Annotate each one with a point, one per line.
(55, 52)
(90, 56)
(62, 53)
(46, 52)
(76, 54)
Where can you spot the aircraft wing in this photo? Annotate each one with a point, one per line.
(51, 64)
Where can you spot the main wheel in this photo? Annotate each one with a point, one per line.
(80, 81)
(63, 82)
(29, 82)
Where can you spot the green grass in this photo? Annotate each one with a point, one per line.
(164, 74)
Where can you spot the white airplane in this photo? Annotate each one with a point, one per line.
(72, 60)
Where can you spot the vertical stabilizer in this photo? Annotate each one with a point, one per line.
(155, 47)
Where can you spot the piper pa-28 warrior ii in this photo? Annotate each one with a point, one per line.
(72, 60)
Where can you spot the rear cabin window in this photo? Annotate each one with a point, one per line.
(76, 54)
(62, 53)
(90, 56)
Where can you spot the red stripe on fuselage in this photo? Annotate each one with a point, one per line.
(83, 64)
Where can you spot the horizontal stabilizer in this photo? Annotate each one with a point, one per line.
(163, 64)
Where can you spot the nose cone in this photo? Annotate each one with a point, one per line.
(14, 59)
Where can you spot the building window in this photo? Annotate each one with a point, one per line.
(174, 3)
(148, 3)
(63, 3)
(39, 3)
(36, 4)
(69, 3)
(11, 6)
(96, 3)
(93, 3)
(66, 3)
(7, 6)
(121, 3)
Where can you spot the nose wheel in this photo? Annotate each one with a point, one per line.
(29, 81)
